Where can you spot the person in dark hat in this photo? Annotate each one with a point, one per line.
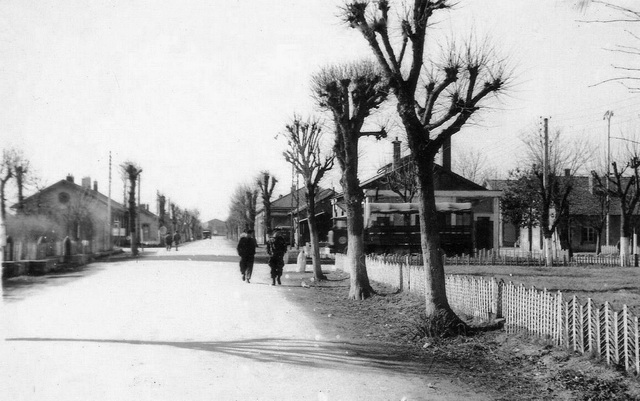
(246, 250)
(277, 248)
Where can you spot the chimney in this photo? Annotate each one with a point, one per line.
(396, 153)
(86, 182)
(446, 154)
(567, 172)
(95, 186)
(591, 182)
(69, 178)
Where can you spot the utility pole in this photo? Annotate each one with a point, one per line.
(607, 116)
(545, 184)
(545, 161)
(109, 220)
(139, 209)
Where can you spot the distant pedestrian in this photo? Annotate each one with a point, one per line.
(246, 250)
(168, 240)
(277, 248)
(176, 239)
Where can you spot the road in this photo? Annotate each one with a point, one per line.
(183, 326)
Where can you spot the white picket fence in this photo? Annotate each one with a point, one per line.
(584, 327)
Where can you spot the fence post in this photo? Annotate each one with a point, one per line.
(496, 292)
(559, 319)
(625, 328)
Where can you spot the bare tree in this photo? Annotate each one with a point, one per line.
(266, 183)
(473, 165)
(242, 210)
(431, 112)
(626, 189)
(162, 215)
(305, 154)
(350, 92)
(626, 75)
(132, 172)
(21, 170)
(7, 172)
(564, 160)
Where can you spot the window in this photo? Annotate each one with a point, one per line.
(588, 235)
(63, 197)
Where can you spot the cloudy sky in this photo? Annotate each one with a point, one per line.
(195, 91)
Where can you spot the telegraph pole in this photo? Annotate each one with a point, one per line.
(545, 161)
(109, 220)
(607, 116)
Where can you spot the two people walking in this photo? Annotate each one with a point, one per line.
(276, 247)
(172, 239)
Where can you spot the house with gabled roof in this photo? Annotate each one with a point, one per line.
(289, 215)
(81, 213)
(586, 213)
(468, 212)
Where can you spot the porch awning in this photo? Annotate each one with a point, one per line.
(409, 208)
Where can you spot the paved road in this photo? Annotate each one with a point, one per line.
(183, 326)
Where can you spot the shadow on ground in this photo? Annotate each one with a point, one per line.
(318, 354)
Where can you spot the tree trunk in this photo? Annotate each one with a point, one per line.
(548, 248)
(360, 288)
(313, 235)
(436, 303)
(624, 251)
(132, 215)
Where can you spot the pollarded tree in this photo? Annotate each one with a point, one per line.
(132, 172)
(431, 110)
(350, 92)
(305, 155)
(266, 183)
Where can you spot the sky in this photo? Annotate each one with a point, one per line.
(196, 91)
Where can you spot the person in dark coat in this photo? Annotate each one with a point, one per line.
(247, 250)
(176, 239)
(168, 240)
(277, 248)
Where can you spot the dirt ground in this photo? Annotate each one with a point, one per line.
(505, 366)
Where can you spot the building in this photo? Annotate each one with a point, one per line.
(469, 213)
(81, 213)
(586, 213)
(289, 214)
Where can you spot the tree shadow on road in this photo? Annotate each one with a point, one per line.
(319, 354)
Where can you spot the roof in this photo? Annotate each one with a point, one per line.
(581, 199)
(72, 186)
(296, 200)
(444, 179)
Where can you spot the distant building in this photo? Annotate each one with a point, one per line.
(289, 214)
(584, 212)
(216, 227)
(81, 213)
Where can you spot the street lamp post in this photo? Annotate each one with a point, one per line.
(607, 116)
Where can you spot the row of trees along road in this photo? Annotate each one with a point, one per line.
(459, 82)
